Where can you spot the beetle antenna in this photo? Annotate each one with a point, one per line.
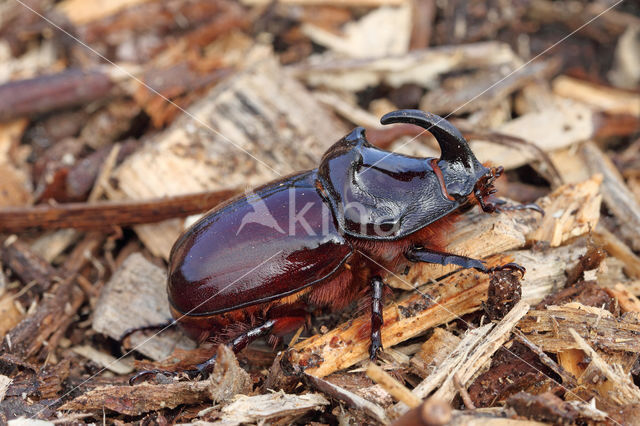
(453, 146)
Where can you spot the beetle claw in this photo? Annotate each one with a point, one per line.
(510, 266)
(375, 349)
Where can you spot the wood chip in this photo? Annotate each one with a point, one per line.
(4, 385)
(382, 32)
(135, 297)
(373, 410)
(625, 391)
(103, 359)
(267, 407)
(422, 67)
(548, 329)
(608, 99)
(570, 211)
(481, 354)
(618, 198)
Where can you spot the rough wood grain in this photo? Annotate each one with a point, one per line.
(619, 200)
(135, 297)
(549, 329)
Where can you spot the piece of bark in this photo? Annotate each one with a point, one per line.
(54, 92)
(430, 413)
(604, 98)
(434, 351)
(139, 399)
(611, 24)
(248, 409)
(546, 407)
(480, 355)
(27, 266)
(570, 211)
(619, 200)
(54, 313)
(421, 67)
(229, 378)
(10, 315)
(247, 130)
(373, 410)
(106, 215)
(548, 329)
(134, 298)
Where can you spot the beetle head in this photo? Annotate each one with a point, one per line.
(460, 167)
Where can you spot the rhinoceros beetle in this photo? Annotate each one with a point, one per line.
(261, 263)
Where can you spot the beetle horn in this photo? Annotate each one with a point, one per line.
(453, 146)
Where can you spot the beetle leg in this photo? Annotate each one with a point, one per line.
(239, 343)
(421, 254)
(377, 287)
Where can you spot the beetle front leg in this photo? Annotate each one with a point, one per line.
(377, 287)
(422, 254)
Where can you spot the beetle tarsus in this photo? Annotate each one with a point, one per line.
(421, 254)
(377, 287)
(509, 207)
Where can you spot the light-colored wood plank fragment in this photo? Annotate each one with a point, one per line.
(625, 391)
(608, 99)
(434, 351)
(481, 354)
(81, 12)
(422, 67)
(571, 210)
(548, 329)
(249, 409)
(341, 3)
(383, 32)
(618, 198)
(391, 385)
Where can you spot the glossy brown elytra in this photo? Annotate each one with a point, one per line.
(261, 264)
